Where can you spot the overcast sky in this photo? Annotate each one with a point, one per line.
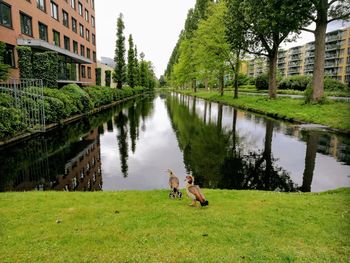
(155, 26)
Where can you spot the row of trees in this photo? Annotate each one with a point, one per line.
(218, 34)
(131, 72)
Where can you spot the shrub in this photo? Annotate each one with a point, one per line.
(6, 100)
(80, 97)
(262, 82)
(298, 82)
(10, 121)
(100, 95)
(25, 62)
(334, 85)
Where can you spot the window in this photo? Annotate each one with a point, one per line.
(93, 39)
(94, 56)
(9, 57)
(87, 35)
(93, 4)
(74, 25)
(75, 47)
(81, 30)
(83, 72)
(80, 9)
(65, 18)
(66, 43)
(56, 38)
(72, 3)
(89, 72)
(88, 53)
(93, 21)
(43, 32)
(86, 15)
(5, 15)
(82, 51)
(54, 10)
(26, 24)
(41, 5)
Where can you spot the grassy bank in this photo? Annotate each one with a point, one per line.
(238, 226)
(335, 114)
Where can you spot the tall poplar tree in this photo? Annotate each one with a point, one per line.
(119, 75)
(143, 71)
(131, 63)
(136, 68)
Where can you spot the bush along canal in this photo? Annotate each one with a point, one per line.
(130, 147)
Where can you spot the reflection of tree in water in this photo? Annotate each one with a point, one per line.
(215, 159)
(133, 123)
(121, 121)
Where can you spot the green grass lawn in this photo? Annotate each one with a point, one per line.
(237, 226)
(335, 114)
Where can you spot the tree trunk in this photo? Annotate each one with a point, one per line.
(194, 86)
(235, 96)
(206, 84)
(320, 46)
(222, 84)
(272, 74)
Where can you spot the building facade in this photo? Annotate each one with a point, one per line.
(105, 67)
(63, 26)
(300, 60)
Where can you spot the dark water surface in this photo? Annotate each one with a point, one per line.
(131, 146)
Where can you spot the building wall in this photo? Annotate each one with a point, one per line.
(9, 35)
(300, 60)
(105, 67)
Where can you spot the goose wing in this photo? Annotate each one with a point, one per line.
(196, 192)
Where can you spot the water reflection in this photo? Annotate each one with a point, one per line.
(130, 147)
(222, 155)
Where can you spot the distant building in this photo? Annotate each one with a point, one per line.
(104, 67)
(300, 60)
(66, 27)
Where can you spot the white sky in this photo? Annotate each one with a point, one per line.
(154, 24)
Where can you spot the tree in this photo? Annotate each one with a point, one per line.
(143, 71)
(119, 75)
(131, 63)
(136, 68)
(211, 48)
(264, 25)
(4, 68)
(322, 13)
(162, 81)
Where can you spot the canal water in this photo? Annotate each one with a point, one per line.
(131, 146)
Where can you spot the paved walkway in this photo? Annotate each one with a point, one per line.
(295, 96)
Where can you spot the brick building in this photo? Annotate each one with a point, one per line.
(63, 26)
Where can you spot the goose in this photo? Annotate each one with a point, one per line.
(194, 192)
(174, 185)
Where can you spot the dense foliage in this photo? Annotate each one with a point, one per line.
(119, 74)
(25, 62)
(4, 69)
(108, 78)
(297, 82)
(60, 104)
(262, 82)
(98, 76)
(45, 67)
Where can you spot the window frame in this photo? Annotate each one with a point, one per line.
(23, 15)
(53, 4)
(59, 37)
(3, 4)
(38, 2)
(47, 31)
(64, 43)
(74, 29)
(64, 12)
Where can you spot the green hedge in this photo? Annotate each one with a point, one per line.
(4, 68)
(45, 67)
(298, 82)
(25, 62)
(262, 82)
(108, 78)
(59, 104)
